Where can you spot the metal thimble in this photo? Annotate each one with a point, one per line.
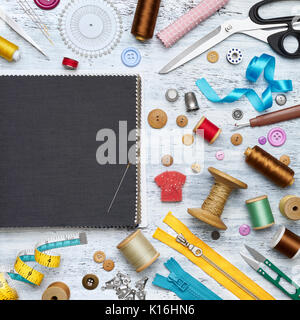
(191, 102)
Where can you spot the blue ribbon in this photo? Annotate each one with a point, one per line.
(265, 63)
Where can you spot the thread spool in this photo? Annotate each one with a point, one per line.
(138, 251)
(57, 291)
(270, 167)
(286, 242)
(9, 51)
(211, 131)
(145, 19)
(289, 206)
(213, 206)
(260, 211)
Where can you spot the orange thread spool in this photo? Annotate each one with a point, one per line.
(211, 131)
(145, 19)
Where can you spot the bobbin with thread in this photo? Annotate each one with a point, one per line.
(286, 242)
(214, 205)
(289, 206)
(270, 167)
(210, 130)
(9, 51)
(138, 251)
(260, 211)
(57, 291)
(145, 19)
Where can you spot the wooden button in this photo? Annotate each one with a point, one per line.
(196, 167)
(285, 159)
(236, 139)
(213, 56)
(188, 139)
(108, 265)
(90, 281)
(157, 119)
(182, 121)
(99, 256)
(167, 160)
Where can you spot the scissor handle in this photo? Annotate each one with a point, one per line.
(276, 40)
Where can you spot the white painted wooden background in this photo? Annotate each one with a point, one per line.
(78, 261)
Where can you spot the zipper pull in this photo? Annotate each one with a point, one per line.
(195, 250)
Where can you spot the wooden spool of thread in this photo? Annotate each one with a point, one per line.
(213, 206)
(261, 215)
(286, 242)
(270, 167)
(145, 19)
(138, 251)
(9, 51)
(57, 291)
(207, 129)
(289, 206)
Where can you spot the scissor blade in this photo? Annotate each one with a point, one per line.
(256, 255)
(253, 264)
(202, 45)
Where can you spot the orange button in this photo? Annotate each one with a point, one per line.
(285, 159)
(99, 256)
(108, 265)
(167, 160)
(157, 119)
(182, 121)
(213, 56)
(236, 139)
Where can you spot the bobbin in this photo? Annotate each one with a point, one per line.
(211, 138)
(289, 206)
(57, 291)
(228, 184)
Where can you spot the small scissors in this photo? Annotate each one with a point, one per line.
(272, 31)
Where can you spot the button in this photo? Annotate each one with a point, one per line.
(196, 167)
(237, 114)
(157, 119)
(90, 281)
(285, 159)
(188, 139)
(215, 235)
(234, 56)
(167, 160)
(262, 140)
(213, 56)
(47, 4)
(172, 95)
(99, 256)
(277, 137)
(108, 265)
(237, 139)
(244, 230)
(220, 155)
(131, 57)
(182, 121)
(281, 99)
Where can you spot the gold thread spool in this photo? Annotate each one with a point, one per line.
(138, 251)
(57, 291)
(270, 167)
(8, 50)
(213, 206)
(145, 19)
(289, 206)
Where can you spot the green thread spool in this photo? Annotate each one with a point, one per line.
(260, 213)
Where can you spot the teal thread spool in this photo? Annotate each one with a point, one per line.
(260, 213)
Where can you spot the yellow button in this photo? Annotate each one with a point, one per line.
(213, 56)
(188, 139)
(285, 159)
(99, 256)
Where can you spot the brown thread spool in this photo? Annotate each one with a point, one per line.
(270, 167)
(286, 242)
(289, 206)
(145, 19)
(213, 206)
(57, 291)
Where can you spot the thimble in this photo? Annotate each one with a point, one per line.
(191, 102)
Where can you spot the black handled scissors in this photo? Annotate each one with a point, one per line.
(272, 31)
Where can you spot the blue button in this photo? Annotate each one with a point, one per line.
(131, 57)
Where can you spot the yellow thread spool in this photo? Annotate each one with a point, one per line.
(213, 206)
(289, 206)
(9, 51)
(138, 251)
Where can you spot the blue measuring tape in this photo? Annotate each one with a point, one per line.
(265, 63)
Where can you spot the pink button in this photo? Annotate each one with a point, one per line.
(220, 155)
(277, 137)
(262, 140)
(244, 230)
(47, 4)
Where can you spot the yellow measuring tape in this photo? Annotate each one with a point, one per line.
(210, 261)
(6, 292)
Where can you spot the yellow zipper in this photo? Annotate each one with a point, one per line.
(210, 261)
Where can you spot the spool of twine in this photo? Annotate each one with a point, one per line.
(138, 251)
(8, 50)
(289, 206)
(270, 167)
(57, 291)
(145, 19)
(286, 242)
(260, 211)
